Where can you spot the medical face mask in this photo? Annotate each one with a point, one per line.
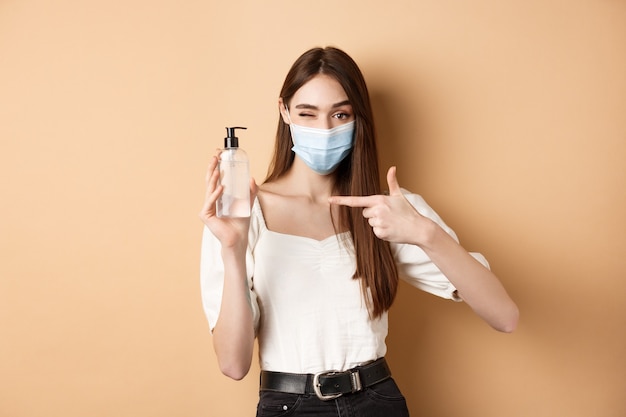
(322, 149)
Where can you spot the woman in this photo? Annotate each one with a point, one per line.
(314, 270)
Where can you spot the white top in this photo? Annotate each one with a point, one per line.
(309, 312)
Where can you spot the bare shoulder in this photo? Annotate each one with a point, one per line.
(269, 188)
(274, 203)
(271, 196)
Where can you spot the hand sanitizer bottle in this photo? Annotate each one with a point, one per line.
(235, 177)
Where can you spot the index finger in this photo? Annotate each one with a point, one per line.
(352, 201)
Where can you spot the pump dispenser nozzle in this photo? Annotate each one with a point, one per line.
(232, 141)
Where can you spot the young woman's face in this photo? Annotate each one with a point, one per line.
(321, 103)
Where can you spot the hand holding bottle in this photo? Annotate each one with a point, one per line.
(230, 231)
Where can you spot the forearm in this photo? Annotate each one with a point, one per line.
(233, 335)
(476, 284)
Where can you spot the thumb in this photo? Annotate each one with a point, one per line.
(392, 181)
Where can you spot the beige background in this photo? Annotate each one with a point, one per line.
(507, 116)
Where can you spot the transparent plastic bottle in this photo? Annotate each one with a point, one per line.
(235, 177)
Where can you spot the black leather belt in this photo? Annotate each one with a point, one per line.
(329, 384)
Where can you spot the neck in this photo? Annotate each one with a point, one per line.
(303, 181)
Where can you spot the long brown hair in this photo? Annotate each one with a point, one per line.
(357, 174)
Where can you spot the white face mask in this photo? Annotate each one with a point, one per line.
(322, 150)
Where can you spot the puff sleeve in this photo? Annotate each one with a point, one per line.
(416, 268)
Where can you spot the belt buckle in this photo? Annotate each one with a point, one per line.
(317, 387)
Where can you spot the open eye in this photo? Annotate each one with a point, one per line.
(341, 116)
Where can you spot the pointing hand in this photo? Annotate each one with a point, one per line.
(391, 217)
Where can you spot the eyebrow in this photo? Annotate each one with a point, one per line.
(312, 107)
